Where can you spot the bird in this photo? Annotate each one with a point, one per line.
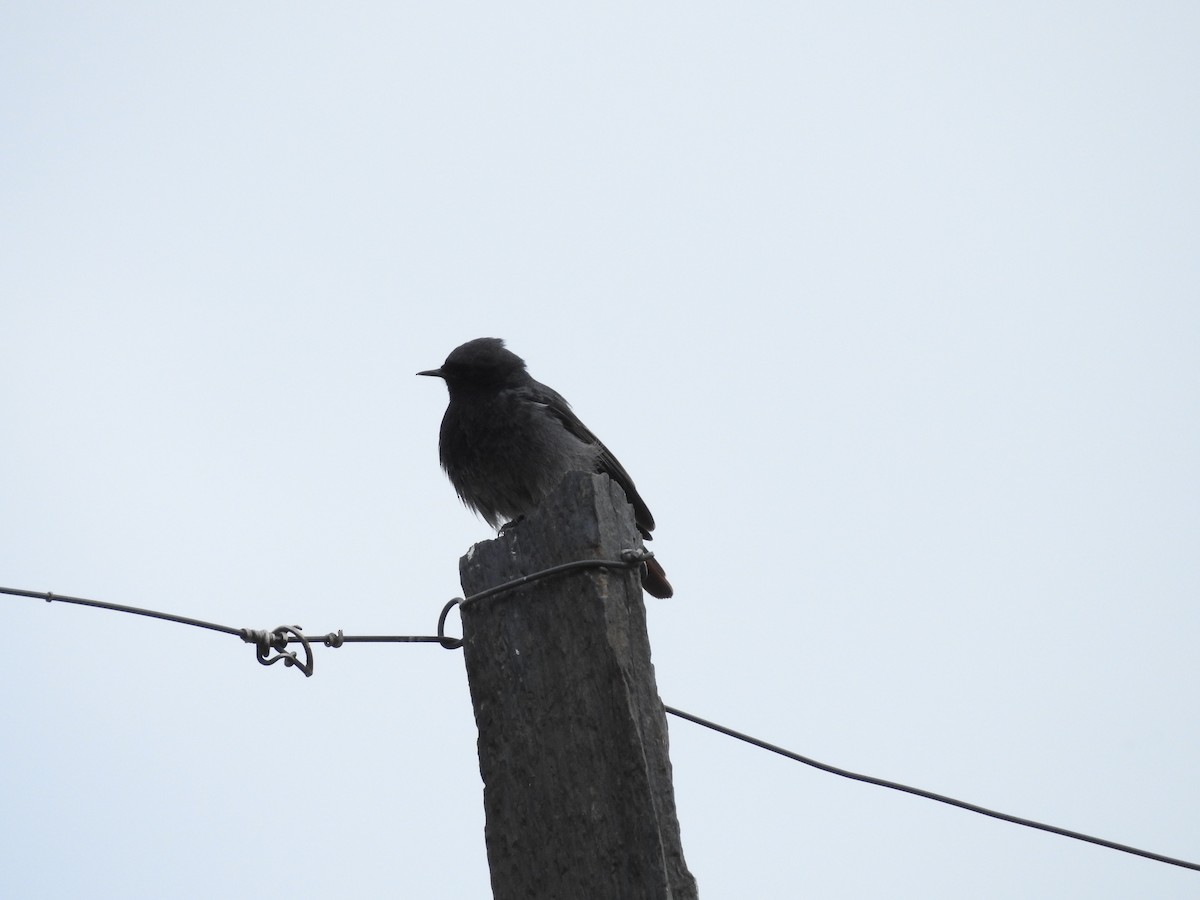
(507, 440)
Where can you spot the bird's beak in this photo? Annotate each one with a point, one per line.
(436, 373)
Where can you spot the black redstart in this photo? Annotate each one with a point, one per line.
(508, 440)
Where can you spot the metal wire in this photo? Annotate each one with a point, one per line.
(279, 638)
(930, 795)
(117, 607)
(629, 559)
(265, 642)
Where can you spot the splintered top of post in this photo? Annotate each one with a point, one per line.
(586, 517)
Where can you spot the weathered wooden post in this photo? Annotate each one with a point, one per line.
(572, 734)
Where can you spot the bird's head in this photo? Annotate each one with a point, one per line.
(481, 363)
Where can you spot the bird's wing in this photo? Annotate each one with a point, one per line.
(559, 408)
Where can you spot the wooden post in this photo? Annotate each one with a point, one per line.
(572, 734)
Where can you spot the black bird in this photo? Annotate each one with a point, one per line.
(507, 441)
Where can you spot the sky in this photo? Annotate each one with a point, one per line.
(892, 312)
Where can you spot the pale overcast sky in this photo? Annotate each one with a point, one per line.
(893, 313)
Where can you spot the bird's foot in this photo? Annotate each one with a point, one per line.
(513, 523)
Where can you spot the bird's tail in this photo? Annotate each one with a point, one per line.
(654, 580)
